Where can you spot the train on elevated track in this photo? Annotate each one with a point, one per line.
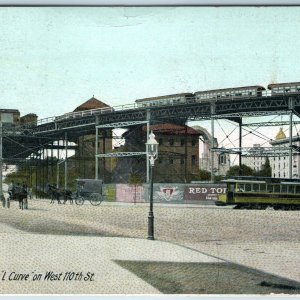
(241, 93)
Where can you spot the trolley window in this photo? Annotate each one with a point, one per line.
(240, 187)
(276, 188)
(297, 189)
(283, 189)
(270, 188)
(255, 187)
(247, 187)
(292, 189)
(262, 187)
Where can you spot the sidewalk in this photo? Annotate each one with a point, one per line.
(43, 253)
(108, 244)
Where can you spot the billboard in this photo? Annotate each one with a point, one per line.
(204, 192)
(166, 193)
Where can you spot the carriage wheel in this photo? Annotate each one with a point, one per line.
(96, 199)
(79, 200)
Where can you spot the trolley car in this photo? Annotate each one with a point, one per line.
(260, 193)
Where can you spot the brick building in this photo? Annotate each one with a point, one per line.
(178, 156)
(85, 155)
(11, 116)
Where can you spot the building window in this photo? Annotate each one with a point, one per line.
(160, 141)
(193, 160)
(171, 141)
(182, 159)
(159, 160)
(182, 142)
(171, 161)
(194, 142)
(222, 159)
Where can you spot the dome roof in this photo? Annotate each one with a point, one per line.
(92, 103)
(280, 135)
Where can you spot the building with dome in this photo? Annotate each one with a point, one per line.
(279, 163)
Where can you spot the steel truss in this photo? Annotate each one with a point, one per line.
(54, 128)
(121, 124)
(191, 111)
(120, 154)
(261, 152)
(278, 123)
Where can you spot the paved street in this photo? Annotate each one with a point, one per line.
(62, 238)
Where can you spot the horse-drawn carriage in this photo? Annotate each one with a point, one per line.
(87, 189)
(18, 193)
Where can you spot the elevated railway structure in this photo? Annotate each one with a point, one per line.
(21, 142)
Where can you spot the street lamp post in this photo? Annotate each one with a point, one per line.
(152, 151)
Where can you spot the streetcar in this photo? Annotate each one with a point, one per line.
(261, 192)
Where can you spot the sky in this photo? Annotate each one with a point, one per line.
(53, 59)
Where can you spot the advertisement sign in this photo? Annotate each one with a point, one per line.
(129, 193)
(204, 192)
(166, 193)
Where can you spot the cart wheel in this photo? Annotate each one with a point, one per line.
(95, 199)
(79, 200)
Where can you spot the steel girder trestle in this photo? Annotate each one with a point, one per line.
(260, 152)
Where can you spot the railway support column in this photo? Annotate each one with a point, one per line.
(240, 144)
(43, 169)
(1, 164)
(147, 154)
(104, 151)
(291, 107)
(212, 144)
(96, 151)
(66, 160)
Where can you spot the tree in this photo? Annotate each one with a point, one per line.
(135, 179)
(204, 175)
(266, 170)
(240, 171)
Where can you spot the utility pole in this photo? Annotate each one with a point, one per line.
(291, 107)
(66, 160)
(212, 144)
(1, 163)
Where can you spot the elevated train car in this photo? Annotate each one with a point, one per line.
(260, 193)
(231, 93)
(165, 100)
(203, 96)
(284, 88)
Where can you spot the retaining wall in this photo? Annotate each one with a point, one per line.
(202, 193)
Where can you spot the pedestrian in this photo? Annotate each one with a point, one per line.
(11, 189)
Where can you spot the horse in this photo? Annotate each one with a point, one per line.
(19, 194)
(54, 193)
(68, 196)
